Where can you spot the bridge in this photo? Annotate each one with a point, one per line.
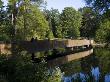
(45, 45)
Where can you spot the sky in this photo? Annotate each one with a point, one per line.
(61, 4)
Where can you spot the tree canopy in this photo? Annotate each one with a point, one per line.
(103, 33)
(101, 5)
(90, 22)
(24, 21)
(53, 17)
(33, 23)
(1, 3)
(70, 22)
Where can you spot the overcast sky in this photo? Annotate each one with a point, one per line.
(60, 4)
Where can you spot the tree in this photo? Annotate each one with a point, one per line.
(5, 27)
(106, 15)
(70, 22)
(90, 22)
(103, 33)
(40, 3)
(34, 23)
(54, 75)
(5, 24)
(28, 20)
(53, 18)
(24, 70)
(100, 5)
(1, 3)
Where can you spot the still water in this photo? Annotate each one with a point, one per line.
(92, 68)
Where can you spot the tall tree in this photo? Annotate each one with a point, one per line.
(103, 7)
(90, 22)
(34, 23)
(53, 17)
(28, 20)
(4, 24)
(70, 22)
(103, 33)
(14, 15)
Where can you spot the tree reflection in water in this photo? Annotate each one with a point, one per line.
(82, 77)
(94, 68)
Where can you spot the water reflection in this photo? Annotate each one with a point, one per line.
(67, 58)
(82, 77)
(107, 78)
(93, 68)
(76, 77)
(95, 73)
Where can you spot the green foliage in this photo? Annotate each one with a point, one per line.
(32, 24)
(100, 5)
(103, 33)
(23, 20)
(40, 3)
(52, 17)
(70, 22)
(106, 15)
(104, 59)
(1, 3)
(29, 21)
(4, 37)
(71, 67)
(21, 69)
(54, 75)
(5, 25)
(90, 22)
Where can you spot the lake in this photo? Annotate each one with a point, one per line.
(92, 68)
